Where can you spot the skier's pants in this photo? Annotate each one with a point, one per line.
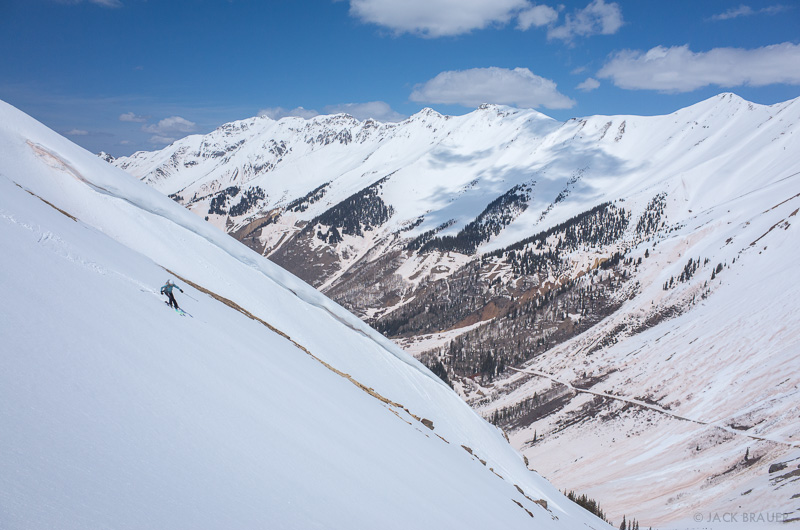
(172, 302)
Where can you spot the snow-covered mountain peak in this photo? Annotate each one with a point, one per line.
(498, 109)
(426, 113)
(726, 104)
(730, 97)
(340, 119)
(502, 111)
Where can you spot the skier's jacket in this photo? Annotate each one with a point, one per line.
(167, 289)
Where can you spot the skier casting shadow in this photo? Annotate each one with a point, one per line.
(167, 290)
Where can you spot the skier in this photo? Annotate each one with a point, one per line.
(167, 290)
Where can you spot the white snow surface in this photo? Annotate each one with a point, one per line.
(116, 412)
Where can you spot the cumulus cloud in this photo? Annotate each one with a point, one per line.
(167, 130)
(470, 88)
(597, 18)
(436, 18)
(746, 11)
(537, 16)
(589, 85)
(377, 110)
(440, 18)
(77, 132)
(131, 117)
(678, 69)
(277, 113)
(171, 125)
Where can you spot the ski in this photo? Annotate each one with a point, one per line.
(181, 312)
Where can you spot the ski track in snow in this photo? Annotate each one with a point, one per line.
(64, 250)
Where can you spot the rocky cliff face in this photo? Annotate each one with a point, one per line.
(604, 287)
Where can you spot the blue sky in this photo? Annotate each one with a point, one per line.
(128, 75)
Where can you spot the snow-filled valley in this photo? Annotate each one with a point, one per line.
(268, 407)
(615, 292)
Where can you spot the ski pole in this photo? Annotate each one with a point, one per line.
(192, 297)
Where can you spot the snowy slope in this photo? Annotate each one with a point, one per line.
(701, 408)
(269, 407)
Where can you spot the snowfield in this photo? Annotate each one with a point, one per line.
(269, 407)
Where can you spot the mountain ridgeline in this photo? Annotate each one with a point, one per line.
(547, 271)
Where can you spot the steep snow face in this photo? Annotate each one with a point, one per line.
(270, 406)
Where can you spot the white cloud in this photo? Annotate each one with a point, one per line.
(171, 125)
(589, 85)
(678, 69)
(131, 117)
(377, 110)
(439, 18)
(161, 140)
(597, 18)
(746, 11)
(77, 132)
(277, 113)
(538, 16)
(436, 18)
(470, 88)
(735, 12)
